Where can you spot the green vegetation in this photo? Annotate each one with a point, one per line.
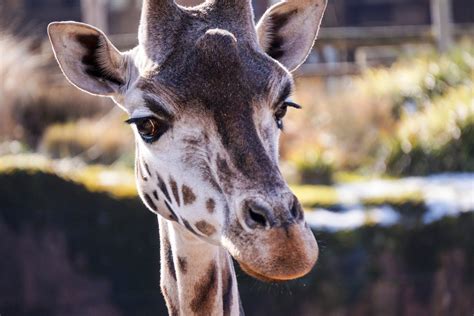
(415, 117)
(313, 165)
(414, 197)
(438, 139)
(421, 78)
(312, 196)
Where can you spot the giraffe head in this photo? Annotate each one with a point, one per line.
(206, 92)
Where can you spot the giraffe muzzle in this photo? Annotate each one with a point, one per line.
(276, 244)
(280, 254)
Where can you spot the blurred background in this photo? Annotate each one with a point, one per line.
(381, 156)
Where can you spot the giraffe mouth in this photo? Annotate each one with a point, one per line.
(259, 276)
(275, 255)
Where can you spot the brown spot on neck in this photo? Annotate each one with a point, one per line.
(227, 295)
(205, 228)
(174, 189)
(211, 205)
(169, 258)
(183, 265)
(205, 292)
(188, 195)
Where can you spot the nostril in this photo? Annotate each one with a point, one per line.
(257, 217)
(296, 210)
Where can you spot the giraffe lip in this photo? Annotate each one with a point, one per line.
(257, 275)
(265, 278)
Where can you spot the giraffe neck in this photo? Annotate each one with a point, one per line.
(197, 278)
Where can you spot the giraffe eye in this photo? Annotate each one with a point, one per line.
(281, 112)
(149, 128)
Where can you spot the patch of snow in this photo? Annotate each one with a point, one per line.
(351, 219)
(446, 194)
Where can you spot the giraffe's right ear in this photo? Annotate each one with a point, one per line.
(87, 58)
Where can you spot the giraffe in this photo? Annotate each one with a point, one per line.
(206, 90)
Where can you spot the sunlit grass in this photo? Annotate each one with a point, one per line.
(120, 182)
(117, 181)
(94, 141)
(351, 177)
(311, 196)
(438, 124)
(29, 162)
(413, 197)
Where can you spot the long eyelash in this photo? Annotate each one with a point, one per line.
(280, 125)
(134, 120)
(292, 105)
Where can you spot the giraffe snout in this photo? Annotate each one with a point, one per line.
(270, 239)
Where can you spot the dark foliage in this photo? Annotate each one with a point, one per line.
(456, 156)
(369, 271)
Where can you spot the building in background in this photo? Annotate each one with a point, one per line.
(32, 16)
(355, 33)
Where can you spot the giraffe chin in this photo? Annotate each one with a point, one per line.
(277, 254)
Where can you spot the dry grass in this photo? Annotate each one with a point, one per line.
(94, 141)
(346, 126)
(33, 93)
(115, 180)
(19, 75)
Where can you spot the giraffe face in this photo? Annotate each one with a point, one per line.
(207, 153)
(201, 152)
(206, 104)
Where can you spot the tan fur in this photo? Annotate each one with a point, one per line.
(206, 228)
(205, 292)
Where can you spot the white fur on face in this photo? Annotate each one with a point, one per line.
(175, 160)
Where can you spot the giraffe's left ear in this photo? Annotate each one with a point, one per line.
(87, 58)
(288, 29)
